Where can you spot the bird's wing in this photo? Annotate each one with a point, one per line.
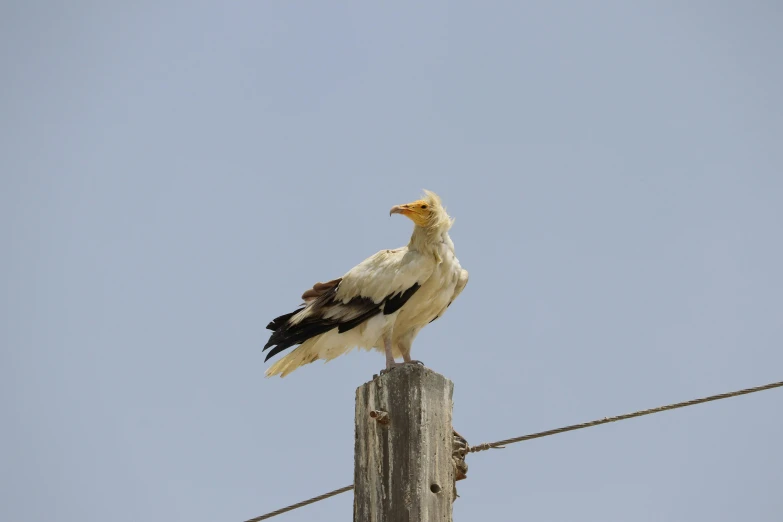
(380, 284)
(387, 273)
(461, 282)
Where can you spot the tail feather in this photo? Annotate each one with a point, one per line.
(300, 356)
(328, 346)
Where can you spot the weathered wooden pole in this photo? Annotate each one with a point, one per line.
(403, 469)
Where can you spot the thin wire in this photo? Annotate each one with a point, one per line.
(500, 443)
(300, 504)
(605, 420)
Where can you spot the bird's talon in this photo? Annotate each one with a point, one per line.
(391, 366)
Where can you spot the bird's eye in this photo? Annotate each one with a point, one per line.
(424, 206)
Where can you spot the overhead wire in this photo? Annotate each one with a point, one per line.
(301, 504)
(502, 443)
(606, 420)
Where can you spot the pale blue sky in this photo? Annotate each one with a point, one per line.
(174, 175)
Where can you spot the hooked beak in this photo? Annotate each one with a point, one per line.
(399, 209)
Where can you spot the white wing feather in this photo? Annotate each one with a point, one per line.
(386, 273)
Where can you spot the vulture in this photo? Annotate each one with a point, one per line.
(382, 303)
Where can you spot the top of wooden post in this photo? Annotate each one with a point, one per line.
(403, 459)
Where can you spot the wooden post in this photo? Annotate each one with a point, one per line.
(403, 469)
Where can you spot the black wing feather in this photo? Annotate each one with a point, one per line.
(395, 302)
(358, 310)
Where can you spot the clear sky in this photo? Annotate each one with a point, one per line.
(174, 175)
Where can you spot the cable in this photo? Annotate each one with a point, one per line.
(501, 443)
(301, 504)
(605, 420)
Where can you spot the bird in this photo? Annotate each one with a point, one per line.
(380, 304)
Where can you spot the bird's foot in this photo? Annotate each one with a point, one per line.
(390, 365)
(394, 364)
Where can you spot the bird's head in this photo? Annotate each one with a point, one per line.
(427, 212)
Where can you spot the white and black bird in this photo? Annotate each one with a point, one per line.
(382, 303)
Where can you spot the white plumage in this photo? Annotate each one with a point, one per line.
(382, 303)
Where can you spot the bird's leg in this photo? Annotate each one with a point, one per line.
(406, 356)
(387, 347)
